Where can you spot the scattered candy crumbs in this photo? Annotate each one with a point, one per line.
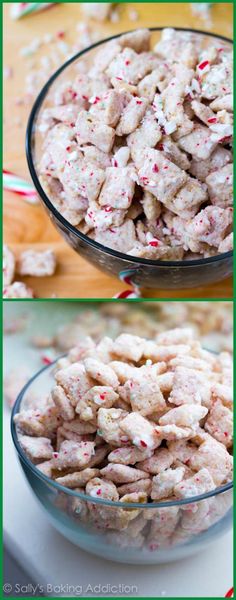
(57, 52)
(38, 76)
(115, 15)
(133, 14)
(203, 10)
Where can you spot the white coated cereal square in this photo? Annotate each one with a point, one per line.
(200, 483)
(139, 40)
(164, 483)
(188, 198)
(189, 387)
(217, 81)
(97, 397)
(121, 238)
(128, 455)
(37, 264)
(109, 420)
(129, 347)
(178, 335)
(130, 66)
(63, 403)
(144, 396)
(114, 105)
(218, 159)
(18, 289)
(220, 424)
(140, 431)
(227, 244)
(75, 381)
(147, 134)
(102, 373)
(118, 188)
(132, 115)
(161, 460)
(198, 143)
(160, 176)
(73, 455)
(142, 485)
(173, 432)
(122, 473)
(82, 178)
(98, 487)
(94, 131)
(212, 455)
(78, 478)
(186, 415)
(36, 448)
(220, 186)
(210, 226)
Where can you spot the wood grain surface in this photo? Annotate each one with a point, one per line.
(28, 226)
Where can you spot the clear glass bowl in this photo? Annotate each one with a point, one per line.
(144, 534)
(142, 272)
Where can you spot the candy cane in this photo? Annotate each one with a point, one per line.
(48, 357)
(230, 593)
(126, 276)
(21, 9)
(127, 294)
(19, 186)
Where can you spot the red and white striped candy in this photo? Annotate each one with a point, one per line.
(230, 593)
(132, 294)
(21, 9)
(13, 183)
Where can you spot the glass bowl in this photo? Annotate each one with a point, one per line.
(141, 272)
(145, 534)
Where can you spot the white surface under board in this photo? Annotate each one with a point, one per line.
(50, 560)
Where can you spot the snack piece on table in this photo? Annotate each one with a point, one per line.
(37, 264)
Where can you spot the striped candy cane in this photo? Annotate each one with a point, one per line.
(19, 186)
(126, 276)
(21, 9)
(127, 294)
(230, 593)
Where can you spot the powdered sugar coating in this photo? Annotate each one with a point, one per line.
(176, 451)
(37, 264)
(144, 137)
(18, 289)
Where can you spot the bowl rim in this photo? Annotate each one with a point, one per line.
(29, 144)
(85, 497)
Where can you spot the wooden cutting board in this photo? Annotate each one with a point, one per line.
(29, 226)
